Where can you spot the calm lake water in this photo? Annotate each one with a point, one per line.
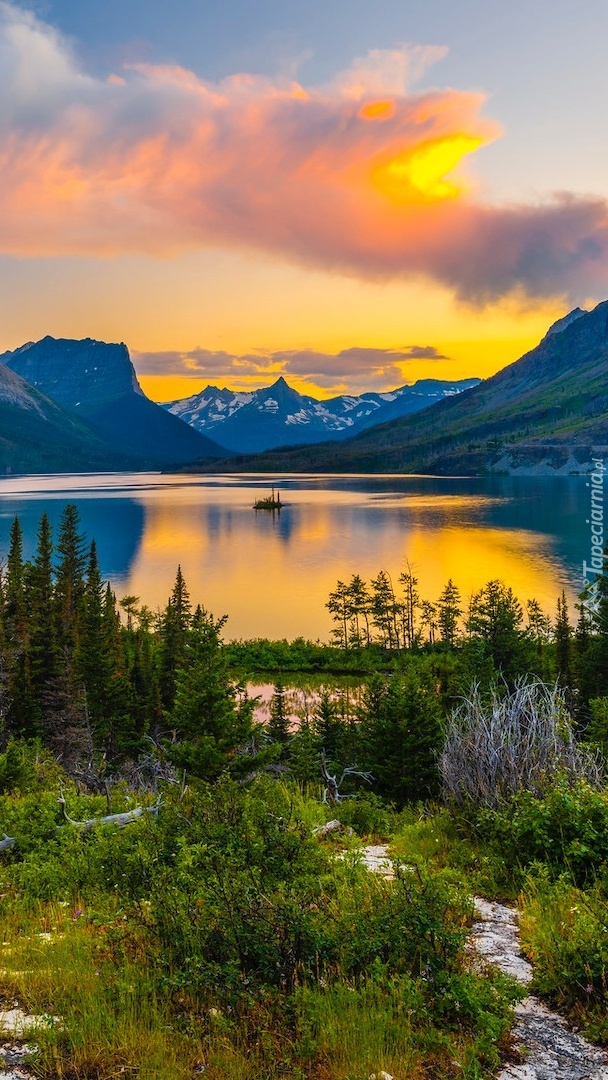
(271, 574)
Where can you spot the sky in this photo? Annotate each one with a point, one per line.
(351, 195)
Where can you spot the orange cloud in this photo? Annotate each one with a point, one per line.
(363, 176)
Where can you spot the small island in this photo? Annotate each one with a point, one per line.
(271, 502)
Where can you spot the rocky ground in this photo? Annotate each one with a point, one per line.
(548, 1048)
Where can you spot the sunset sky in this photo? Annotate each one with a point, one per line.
(351, 195)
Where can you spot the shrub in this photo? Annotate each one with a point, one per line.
(564, 931)
(511, 742)
(566, 830)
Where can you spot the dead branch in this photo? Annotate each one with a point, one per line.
(331, 826)
(517, 741)
(331, 791)
(120, 820)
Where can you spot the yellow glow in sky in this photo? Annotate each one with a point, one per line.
(423, 172)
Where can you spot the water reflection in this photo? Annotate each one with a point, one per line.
(272, 573)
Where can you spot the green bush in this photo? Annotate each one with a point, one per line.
(566, 829)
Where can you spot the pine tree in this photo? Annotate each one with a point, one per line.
(14, 592)
(175, 624)
(563, 642)
(69, 579)
(278, 724)
(402, 737)
(385, 610)
(43, 648)
(411, 603)
(213, 722)
(91, 652)
(495, 619)
(449, 611)
(329, 729)
(305, 755)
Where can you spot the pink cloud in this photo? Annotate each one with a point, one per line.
(363, 176)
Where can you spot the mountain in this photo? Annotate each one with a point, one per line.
(97, 382)
(277, 415)
(37, 435)
(546, 412)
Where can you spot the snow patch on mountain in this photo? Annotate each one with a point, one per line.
(278, 415)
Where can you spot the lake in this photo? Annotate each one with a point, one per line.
(272, 573)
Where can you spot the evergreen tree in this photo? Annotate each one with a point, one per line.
(428, 619)
(449, 611)
(385, 610)
(118, 730)
(305, 754)
(330, 730)
(338, 606)
(495, 619)
(359, 607)
(14, 590)
(563, 642)
(175, 624)
(69, 579)
(91, 652)
(411, 603)
(402, 736)
(213, 722)
(43, 646)
(279, 722)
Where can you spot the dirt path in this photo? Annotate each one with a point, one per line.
(550, 1050)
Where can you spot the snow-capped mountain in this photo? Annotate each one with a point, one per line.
(277, 415)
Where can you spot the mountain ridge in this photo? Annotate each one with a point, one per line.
(96, 381)
(547, 411)
(249, 421)
(38, 435)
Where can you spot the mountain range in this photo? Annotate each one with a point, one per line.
(72, 405)
(547, 412)
(278, 415)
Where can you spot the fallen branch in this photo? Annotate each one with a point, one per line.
(331, 826)
(120, 820)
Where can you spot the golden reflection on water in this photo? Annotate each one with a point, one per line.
(272, 573)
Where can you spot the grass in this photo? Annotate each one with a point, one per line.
(112, 1021)
(82, 942)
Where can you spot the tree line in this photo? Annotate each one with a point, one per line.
(104, 682)
(494, 626)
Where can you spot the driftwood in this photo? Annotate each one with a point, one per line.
(331, 792)
(120, 820)
(331, 826)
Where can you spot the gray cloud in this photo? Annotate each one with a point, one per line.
(368, 368)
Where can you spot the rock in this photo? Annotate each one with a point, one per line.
(495, 938)
(16, 1022)
(552, 1051)
(376, 859)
